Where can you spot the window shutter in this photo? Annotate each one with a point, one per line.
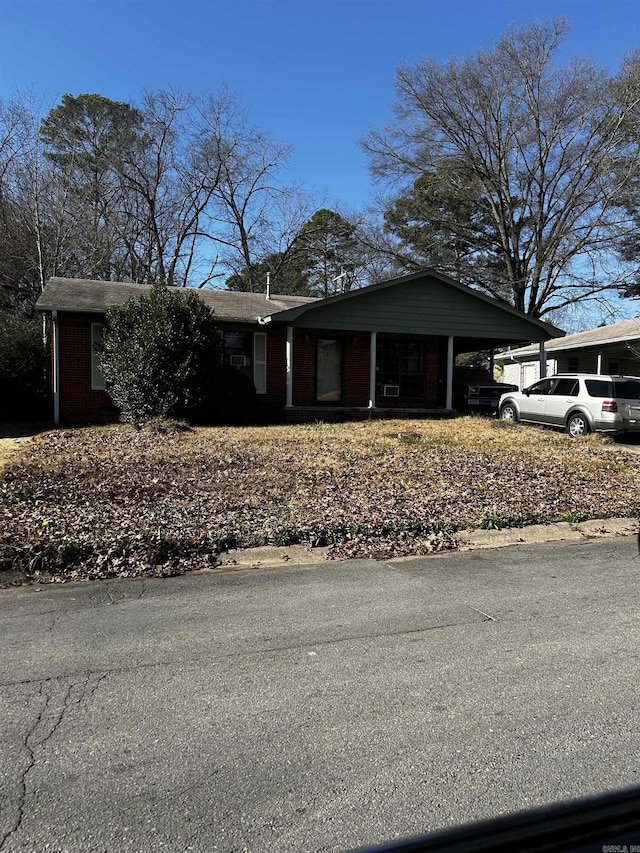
(260, 362)
(97, 379)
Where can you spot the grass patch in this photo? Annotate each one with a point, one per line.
(117, 501)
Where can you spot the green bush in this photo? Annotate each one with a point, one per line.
(160, 356)
(23, 362)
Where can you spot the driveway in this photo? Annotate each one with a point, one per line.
(317, 708)
(630, 442)
(12, 436)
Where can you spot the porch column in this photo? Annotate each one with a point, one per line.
(289, 366)
(543, 361)
(599, 367)
(372, 369)
(55, 333)
(449, 401)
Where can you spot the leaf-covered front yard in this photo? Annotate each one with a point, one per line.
(118, 501)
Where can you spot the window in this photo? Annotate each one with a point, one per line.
(614, 368)
(599, 388)
(541, 387)
(329, 372)
(565, 388)
(246, 352)
(627, 389)
(237, 349)
(572, 364)
(98, 382)
(401, 364)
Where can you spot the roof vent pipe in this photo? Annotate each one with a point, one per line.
(268, 285)
(340, 278)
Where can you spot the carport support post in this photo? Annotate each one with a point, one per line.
(372, 370)
(599, 367)
(543, 361)
(289, 366)
(449, 402)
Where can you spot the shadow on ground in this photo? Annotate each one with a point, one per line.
(24, 430)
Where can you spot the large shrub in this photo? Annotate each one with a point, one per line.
(23, 381)
(160, 356)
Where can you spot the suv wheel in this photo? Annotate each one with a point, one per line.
(578, 425)
(509, 412)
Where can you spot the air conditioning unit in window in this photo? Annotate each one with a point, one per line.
(239, 361)
(390, 390)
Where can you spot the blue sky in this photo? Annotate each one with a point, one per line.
(316, 74)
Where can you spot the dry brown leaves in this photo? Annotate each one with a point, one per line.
(121, 502)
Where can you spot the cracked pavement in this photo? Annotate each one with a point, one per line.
(317, 708)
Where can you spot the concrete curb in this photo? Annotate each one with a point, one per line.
(594, 529)
(468, 540)
(269, 556)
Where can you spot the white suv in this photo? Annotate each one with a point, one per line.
(578, 403)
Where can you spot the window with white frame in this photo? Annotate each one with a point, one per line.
(247, 353)
(98, 382)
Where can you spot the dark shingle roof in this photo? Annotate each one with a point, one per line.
(627, 330)
(87, 296)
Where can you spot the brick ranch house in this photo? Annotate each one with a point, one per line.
(388, 348)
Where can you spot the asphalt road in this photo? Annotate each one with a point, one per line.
(317, 708)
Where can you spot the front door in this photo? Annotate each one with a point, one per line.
(329, 371)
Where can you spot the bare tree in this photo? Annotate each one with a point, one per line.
(178, 189)
(255, 213)
(539, 145)
(629, 199)
(27, 209)
(169, 181)
(204, 197)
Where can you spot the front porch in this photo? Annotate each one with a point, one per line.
(337, 414)
(332, 375)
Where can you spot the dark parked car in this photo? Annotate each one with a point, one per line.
(474, 390)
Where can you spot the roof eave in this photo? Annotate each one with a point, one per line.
(66, 310)
(560, 347)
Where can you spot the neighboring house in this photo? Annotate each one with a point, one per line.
(611, 349)
(386, 348)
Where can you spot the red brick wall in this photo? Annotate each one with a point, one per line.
(304, 368)
(356, 370)
(357, 350)
(79, 404)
